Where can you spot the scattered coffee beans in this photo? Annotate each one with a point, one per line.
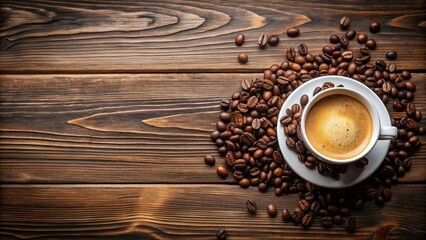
(293, 32)
(374, 27)
(246, 134)
(243, 57)
(239, 40)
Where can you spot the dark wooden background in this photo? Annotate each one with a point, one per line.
(106, 109)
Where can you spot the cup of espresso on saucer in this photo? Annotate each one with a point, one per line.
(340, 126)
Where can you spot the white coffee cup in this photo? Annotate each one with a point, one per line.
(379, 131)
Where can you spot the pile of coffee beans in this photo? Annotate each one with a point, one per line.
(246, 134)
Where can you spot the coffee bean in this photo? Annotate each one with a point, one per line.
(334, 39)
(347, 55)
(350, 34)
(243, 57)
(225, 116)
(222, 172)
(307, 219)
(418, 115)
(291, 54)
(304, 100)
(327, 222)
(391, 55)
(344, 22)
(303, 205)
(262, 41)
(364, 50)
(272, 210)
(251, 206)
(224, 103)
(410, 86)
(286, 215)
(221, 234)
(303, 49)
(374, 27)
(209, 160)
(406, 74)
(293, 32)
(273, 40)
(362, 38)
(239, 39)
(244, 183)
(371, 44)
(350, 224)
(338, 220)
(344, 42)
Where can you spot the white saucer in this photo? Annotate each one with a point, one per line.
(354, 174)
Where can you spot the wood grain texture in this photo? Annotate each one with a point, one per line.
(122, 128)
(186, 212)
(190, 36)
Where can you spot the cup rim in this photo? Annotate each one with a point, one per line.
(374, 117)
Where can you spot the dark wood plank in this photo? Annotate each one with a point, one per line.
(186, 36)
(146, 128)
(185, 212)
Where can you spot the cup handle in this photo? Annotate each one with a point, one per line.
(388, 133)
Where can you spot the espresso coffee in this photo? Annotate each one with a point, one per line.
(339, 126)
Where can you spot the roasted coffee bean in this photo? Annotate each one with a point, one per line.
(293, 32)
(304, 205)
(344, 42)
(251, 206)
(291, 54)
(350, 224)
(296, 215)
(225, 116)
(303, 49)
(244, 183)
(238, 175)
(286, 215)
(307, 219)
(364, 50)
(410, 86)
(418, 115)
(221, 234)
(273, 40)
(334, 39)
(209, 160)
(327, 222)
(391, 55)
(272, 210)
(222, 172)
(224, 103)
(338, 220)
(344, 22)
(406, 75)
(243, 57)
(262, 41)
(381, 65)
(371, 44)
(374, 27)
(304, 100)
(347, 55)
(239, 39)
(362, 38)
(350, 34)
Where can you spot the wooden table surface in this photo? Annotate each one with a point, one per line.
(106, 109)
